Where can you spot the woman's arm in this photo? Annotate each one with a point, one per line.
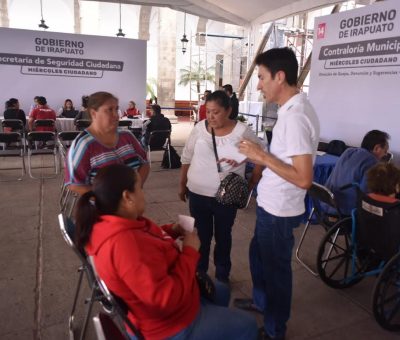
(183, 190)
(144, 171)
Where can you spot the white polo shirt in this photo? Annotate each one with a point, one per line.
(295, 133)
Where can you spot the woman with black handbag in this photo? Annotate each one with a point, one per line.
(201, 176)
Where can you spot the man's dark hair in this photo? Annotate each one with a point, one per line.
(42, 101)
(280, 59)
(85, 101)
(157, 109)
(12, 102)
(228, 88)
(374, 137)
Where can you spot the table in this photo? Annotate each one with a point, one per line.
(323, 166)
(65, 124)
(137, 123)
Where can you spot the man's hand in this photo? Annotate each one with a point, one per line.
(253, 151)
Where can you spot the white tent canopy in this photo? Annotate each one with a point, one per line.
(237, 12)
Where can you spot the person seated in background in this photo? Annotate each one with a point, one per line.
(234, 101)
(352, 167)
(102, 144)
(43, 111)
(14, 112)
(383, 182)
(202, 108)
(131, 111)
(83, 113)
(142, 264)
(68, 110)
(34, 105)
(157, 121)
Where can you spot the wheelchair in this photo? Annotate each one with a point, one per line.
(362, 245)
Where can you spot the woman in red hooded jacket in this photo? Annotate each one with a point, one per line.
(143, 265)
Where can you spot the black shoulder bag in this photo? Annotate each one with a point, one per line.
(233, 190)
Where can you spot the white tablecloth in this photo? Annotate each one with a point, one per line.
(137, 123)
(65, 124)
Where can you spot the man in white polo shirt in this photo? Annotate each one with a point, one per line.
(280, 202)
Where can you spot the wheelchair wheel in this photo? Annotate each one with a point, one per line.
(386, 298)
(334, 260)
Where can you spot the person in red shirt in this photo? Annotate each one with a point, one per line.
(144, 265)
(42, 111)
(202, 108)
(131, 111)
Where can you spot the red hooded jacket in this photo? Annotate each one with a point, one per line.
(141, 263)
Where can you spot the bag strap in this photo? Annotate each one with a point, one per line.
(214, 147)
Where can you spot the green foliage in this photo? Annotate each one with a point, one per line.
(197, 74)
(151, 88)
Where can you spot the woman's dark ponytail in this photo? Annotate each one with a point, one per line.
(104, 199)
(86, 216)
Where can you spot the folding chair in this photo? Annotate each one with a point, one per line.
(119, 307)
(42, 143)
(159, 140)
(67, 229)
(137, 132)
(318, 194)
(49, 124)
(16, 150)
(125, 123)
(67, 197)
(82, 124)
(14, 125)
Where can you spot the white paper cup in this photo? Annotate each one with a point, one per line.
(186, 222)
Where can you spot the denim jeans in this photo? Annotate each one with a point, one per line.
(271, 270)
(213, 218)
(215, 321)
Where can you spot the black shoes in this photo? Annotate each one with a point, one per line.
(262, 335)
(246, 304)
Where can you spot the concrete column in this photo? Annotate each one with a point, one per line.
(144, 22)
(166, 58)
(4, 21)
(77, 17)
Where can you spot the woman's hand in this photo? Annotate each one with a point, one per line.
(178, 229)
(231, 162)
(183, 193)
(190, 239)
